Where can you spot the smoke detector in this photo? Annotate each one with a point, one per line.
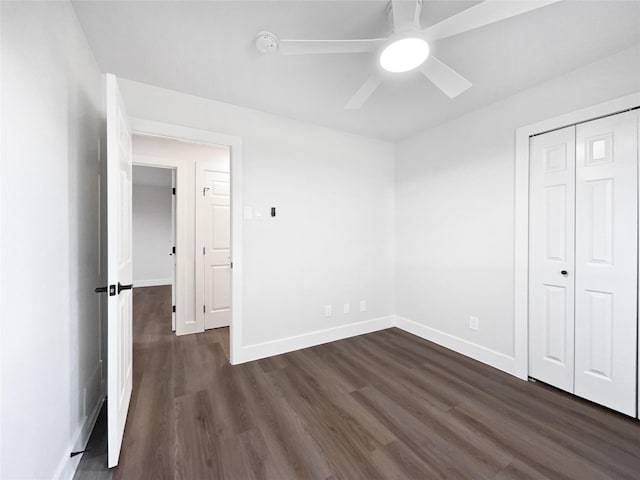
(266, 42)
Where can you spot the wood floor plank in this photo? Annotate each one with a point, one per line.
(295, 453)
(325, 384)
(399, 462)
(569, 423)
(345, 446)
(395, 378)
(518, 470)
(437, 443)
(387, 405)
(541, 453)
(198, 451)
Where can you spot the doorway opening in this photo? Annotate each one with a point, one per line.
(154, 233)
(196, 176)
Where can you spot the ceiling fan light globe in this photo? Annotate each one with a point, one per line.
(404, 54)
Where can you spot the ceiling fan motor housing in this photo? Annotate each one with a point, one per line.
(266, 42)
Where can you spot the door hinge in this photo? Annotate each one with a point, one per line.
(204, 309)
(173, 309)
(204, 251)
(173, 191)
(173, 250)
(231, 264)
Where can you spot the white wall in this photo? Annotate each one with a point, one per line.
(332, 241)
(152, 232)
(455, 207)
(51, 126)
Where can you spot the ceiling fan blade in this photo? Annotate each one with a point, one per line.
(305, 47)
(485, 13)
(443, 77)
(363, 94)
(406, 14)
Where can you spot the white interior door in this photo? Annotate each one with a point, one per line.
(606, 261)
(119, 268)
(551, 258)
(216, 237)
(174, 263)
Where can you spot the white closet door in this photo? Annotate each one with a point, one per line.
(551, 252)
(606, 261)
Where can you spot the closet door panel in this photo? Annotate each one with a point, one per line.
(551, 251)
(607, 261)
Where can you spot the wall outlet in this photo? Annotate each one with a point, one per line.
(346, 309)
(473, 323)
(363, 305)
(328, 310)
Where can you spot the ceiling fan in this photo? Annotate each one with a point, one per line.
(408, 47)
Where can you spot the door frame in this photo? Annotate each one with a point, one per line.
(148, 127)
(521, 214)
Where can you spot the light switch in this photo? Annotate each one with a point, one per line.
(248, 213)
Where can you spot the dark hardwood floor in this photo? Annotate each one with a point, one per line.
(387, 405)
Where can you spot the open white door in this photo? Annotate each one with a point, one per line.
(213, 232)
(174, 265)
(119, 268)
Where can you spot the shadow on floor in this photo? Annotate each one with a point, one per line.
(93, 465)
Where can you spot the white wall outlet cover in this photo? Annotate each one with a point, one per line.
(473, 323)
(363, 305)
(347, 308)
(327, 310)
(248, 213)
(257, 214)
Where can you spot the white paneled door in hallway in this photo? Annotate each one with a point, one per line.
(583, 260)
(215, 234)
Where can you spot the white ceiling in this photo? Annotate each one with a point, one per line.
(205, 48)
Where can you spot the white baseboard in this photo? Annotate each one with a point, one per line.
(67, 468)
(69, 465)
(297, 342)
(482, 354)
(154, 282)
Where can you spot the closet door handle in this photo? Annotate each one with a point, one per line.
(564, 272)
